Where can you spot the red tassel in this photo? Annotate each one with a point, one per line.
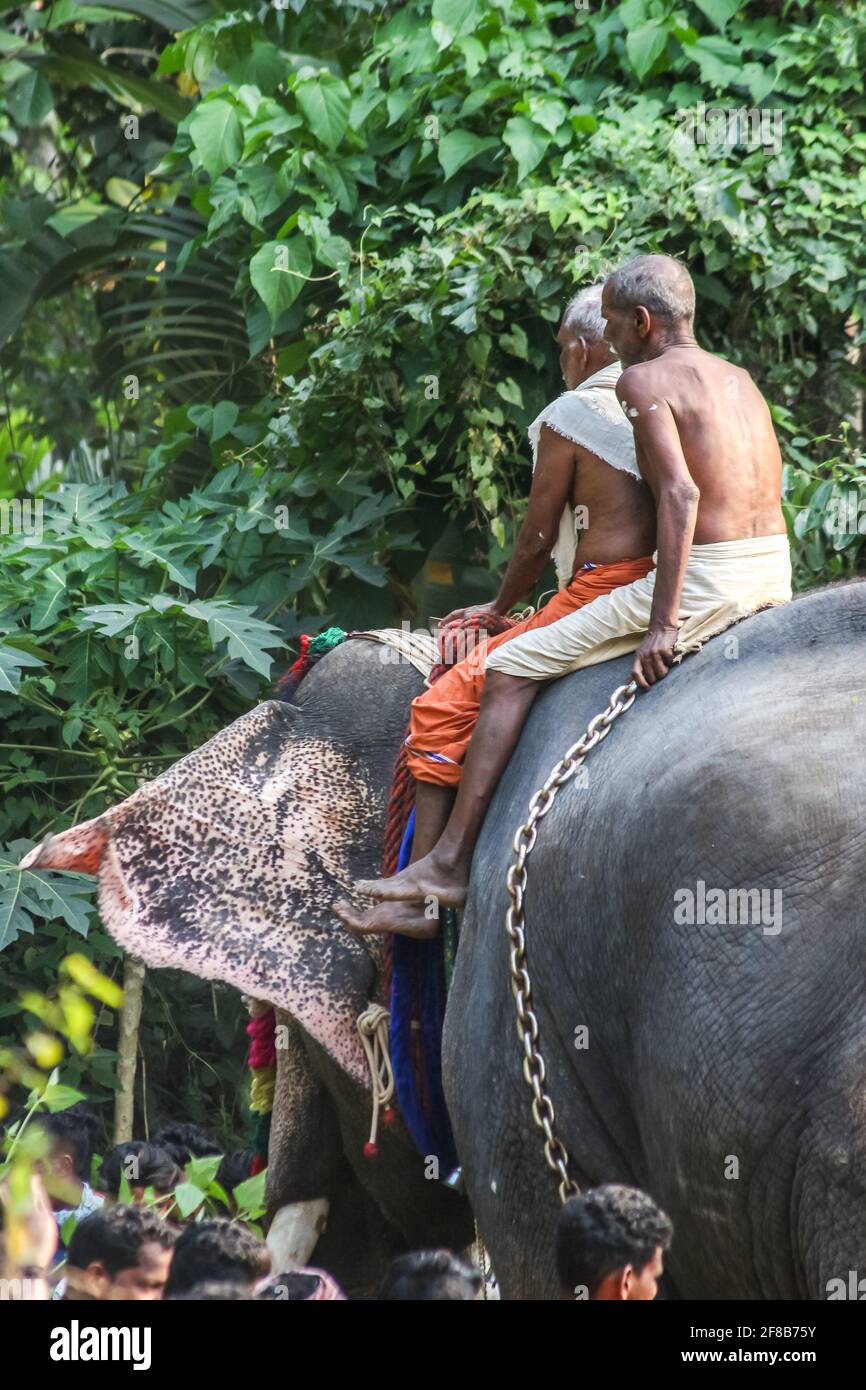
(389, 1115)
(371, 1150)
(260, 1031)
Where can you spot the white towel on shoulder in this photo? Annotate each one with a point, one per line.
(592, 416)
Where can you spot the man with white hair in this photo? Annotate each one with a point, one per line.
(586, 484)
(706, 448)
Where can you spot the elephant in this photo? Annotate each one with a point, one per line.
(693, 938)
(226, 866)
(717, 1064)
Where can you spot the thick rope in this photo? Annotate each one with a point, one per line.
(400, 803)
(373, 1026)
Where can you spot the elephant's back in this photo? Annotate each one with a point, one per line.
(751, 747)
(744, 769)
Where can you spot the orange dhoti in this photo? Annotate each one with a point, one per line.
(443, 718)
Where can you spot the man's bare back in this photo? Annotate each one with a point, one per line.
(703, 437)
(723, 427)
(619, 512)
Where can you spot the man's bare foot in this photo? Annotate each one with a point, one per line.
(432, 878)
(409, 919)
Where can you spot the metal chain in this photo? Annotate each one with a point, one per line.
(534, 1070)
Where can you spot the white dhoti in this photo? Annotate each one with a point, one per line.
(724, 582)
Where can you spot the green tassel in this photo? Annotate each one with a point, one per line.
(331, 637)
(261, 1134)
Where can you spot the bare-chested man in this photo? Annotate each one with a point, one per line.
(706, 446)
(586, 474)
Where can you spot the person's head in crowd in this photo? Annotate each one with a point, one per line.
(427, 1276)
(143, 1165)
(217, 1249)
(119, 1253)
(301, 1286)
(71, 1136)
(185, 1141)
(610, 1245)
(35, 1242)
(234, 1169)
(213, 1291)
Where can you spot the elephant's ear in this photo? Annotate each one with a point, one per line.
(79, 850)
(227, 866)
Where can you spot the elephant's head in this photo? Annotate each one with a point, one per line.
(228, 863)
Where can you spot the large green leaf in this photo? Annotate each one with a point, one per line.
(14, 915)
(278, 271)
(29, 100)
(216, 420)
(644, 45)
(217, 134)
(459, 16)
(174, 556)
(65, 896)
(11, 663)
(111, 618)
(247, 637)
(718, 12)
(56, 1098)
(49, 600)
(527, 142)
(324, 102)
(719, 61)
(26, 894)
(458, 147)
(20, 279)
(71, 12)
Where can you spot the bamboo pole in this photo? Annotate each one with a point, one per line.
(127, 1048)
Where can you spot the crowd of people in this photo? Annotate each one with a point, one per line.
(121, 1237)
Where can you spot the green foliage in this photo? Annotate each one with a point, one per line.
(27, 896)
(200, 1195)
(71, 1017)
(282, 300)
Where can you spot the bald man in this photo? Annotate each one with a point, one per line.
(585, 481)
(706, 447)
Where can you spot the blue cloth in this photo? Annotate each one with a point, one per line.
(418, 994)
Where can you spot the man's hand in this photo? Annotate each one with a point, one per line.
(654, 657)
(460, 614)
